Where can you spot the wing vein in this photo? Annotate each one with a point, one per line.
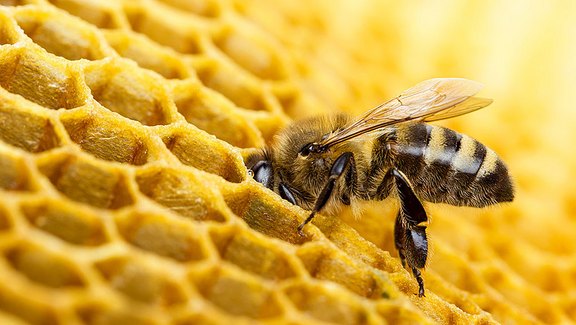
(430, 100)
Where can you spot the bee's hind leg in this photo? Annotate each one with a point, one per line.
(399, 234)
(338, 168)
(410, 228)
(420, 281)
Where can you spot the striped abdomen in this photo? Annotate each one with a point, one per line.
(449, 167)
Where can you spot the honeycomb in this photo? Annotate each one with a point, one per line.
(124, 198)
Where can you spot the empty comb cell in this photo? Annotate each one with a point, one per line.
(15, 174)
(56, 85)
(236, 86)
(181, 32)
(148, 55)
(102, 14)
(102, 136)
(43, 267)
(8, 31)
(210, 9)
(122, 88)
(66, 37)
(156, 234)
(27, 129)
(69, 222)
(86, 181)
(182, 193)
(209, 111)
(187, 144)
(237, 293)
(250, 50)
(138, 282)
(232, 246)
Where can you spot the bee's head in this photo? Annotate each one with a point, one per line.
(301, 140)
(260, 168)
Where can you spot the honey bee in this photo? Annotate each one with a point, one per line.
(323, 162)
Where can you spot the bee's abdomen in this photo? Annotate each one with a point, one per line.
(449, 167)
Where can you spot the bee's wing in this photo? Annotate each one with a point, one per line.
(430, 100)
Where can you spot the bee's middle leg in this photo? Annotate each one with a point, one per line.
(338, 169)
(410, 228)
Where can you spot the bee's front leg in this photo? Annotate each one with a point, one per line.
(410, 228)
(338, 168)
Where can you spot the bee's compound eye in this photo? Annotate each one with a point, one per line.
(262, 173)
(312, 147)
(306, 149)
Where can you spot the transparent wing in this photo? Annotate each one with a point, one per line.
(430, 100)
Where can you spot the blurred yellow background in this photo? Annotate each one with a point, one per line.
(524, 52)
